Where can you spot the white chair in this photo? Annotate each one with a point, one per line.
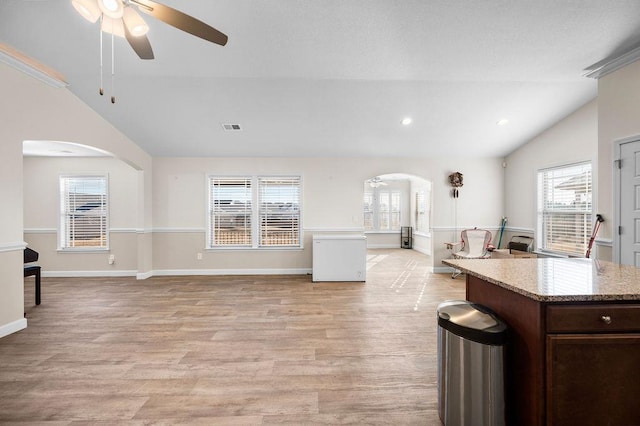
(475, 245)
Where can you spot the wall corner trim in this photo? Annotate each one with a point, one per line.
(144, 275)
(12, 327)
(14, 246)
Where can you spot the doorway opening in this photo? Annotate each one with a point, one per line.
(391, 203)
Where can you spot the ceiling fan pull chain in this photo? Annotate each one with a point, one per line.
(113, 71)
(101, 56)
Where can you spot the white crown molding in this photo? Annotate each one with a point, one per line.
(31, 67)
(611, 64)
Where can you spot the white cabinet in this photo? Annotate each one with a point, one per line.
(339, 258)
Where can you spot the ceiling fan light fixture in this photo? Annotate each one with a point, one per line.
(134, 22)
(112, 8)
(88, 9)
(112, 26)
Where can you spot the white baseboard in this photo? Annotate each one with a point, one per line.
(65, 274)
(443, 270)
(144, 275)
(12, 327)
(422, 250)
(164, 272)
(383, 246)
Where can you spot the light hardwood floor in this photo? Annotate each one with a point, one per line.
(230, 350)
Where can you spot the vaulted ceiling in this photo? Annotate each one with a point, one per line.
(336, 77)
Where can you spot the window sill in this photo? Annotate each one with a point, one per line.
(83, 250)
(244, 248)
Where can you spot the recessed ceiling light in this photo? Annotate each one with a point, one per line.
(406, 121)
(502, 122)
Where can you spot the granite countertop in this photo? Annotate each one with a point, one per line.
(557, 280)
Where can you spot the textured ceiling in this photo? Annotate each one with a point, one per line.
(335, 77)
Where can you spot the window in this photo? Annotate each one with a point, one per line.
(422, 210)
(230, 212)
(564, 209)
(381, 210)
(254, 212)
(83, 212)
(279, 211)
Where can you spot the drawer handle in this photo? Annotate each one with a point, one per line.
(606, 319)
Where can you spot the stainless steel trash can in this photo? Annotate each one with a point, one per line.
(471, 343)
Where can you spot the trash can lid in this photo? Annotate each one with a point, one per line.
(472, 321)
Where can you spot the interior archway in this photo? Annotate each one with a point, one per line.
(45, 162)
(395, 200)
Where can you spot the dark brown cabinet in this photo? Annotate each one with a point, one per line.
(593, 379)
(575, 363)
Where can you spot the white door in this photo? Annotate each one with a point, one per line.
(630, 203)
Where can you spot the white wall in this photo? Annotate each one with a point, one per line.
(41, 213)
(422, 241)
(31, 110)
(618, 118)
(332, 202)
(573, 139)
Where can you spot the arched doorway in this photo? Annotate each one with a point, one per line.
(395, 200)
(81, 209)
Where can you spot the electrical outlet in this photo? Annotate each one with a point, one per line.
(199, 256)
(112, 259)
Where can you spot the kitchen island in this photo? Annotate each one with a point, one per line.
(573, 356)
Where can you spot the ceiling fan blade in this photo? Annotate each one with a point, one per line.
(181, 21)
(140, 44)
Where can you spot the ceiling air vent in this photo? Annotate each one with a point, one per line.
(231, 127)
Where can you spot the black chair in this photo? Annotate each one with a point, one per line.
(31, 270)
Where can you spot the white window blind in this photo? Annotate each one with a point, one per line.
(279, 199)
(565, 209)
(230, 212)
(368, 211)
(422, 211)
(83, 212)
(255, 212)
(381, 210)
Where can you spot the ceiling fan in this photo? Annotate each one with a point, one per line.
(376, 182)
(121, 18)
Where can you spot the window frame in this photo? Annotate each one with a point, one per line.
(63, 237)
(422, 211)
(541, 233)
(255, 234)
(211, 228)
(377, 213)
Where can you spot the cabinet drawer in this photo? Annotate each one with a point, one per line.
(603, 318)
